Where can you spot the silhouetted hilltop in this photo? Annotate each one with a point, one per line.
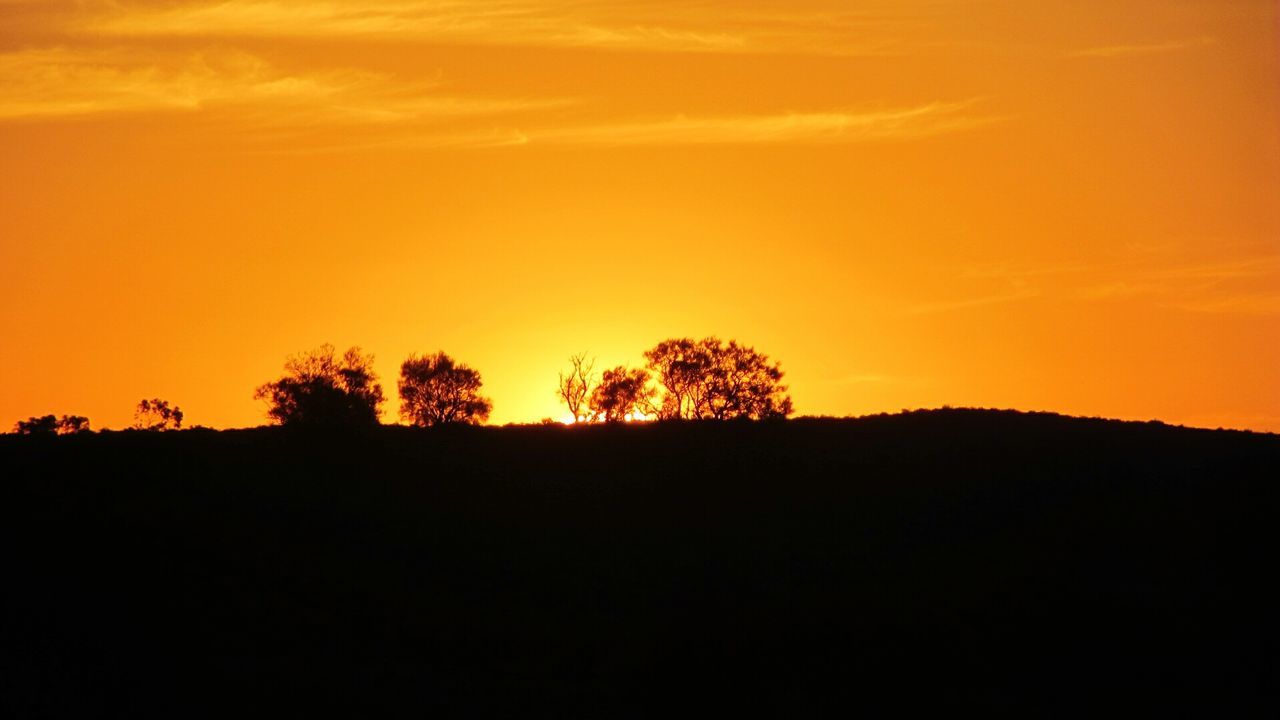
(955, 558)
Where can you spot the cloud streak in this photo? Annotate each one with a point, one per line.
(1138, 50)
(969, 302)
(1241, 286)
(614, 25)
(819, 128)
(863, 379)
(61, 82)
(797, 128)
(378, 111)
(1160, 277)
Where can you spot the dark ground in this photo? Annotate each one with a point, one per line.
(961, 559)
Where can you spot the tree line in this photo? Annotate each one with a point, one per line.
(321, 388)
(682, 379)
(150, 414)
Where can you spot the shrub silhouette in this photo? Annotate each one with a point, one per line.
(52, 425)
(157, 414)
(321, 389)
(45, 425)
(576, 385)
(713, 380)
(678, 366)
(72, 424)
(622, 393)
(436, 390)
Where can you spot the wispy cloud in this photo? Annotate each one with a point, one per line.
(813, 127)
(1216, 271)
(862, 379)
(1249, 285)
(969, 302)
(1138, 49)
(1162, 276)
(683, 27)
(763, 129)
(65, 82)
(241, 87)
(1240, 284)
(1258, 303)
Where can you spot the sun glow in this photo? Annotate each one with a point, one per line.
(567, 419)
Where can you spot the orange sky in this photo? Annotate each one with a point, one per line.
(1068, 206)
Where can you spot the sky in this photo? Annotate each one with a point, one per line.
(1070, 206)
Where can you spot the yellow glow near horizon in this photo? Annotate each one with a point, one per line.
(1047, 206)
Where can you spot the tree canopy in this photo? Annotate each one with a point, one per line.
(713, 380)
(622, 394)
(437, 390)
(157, 414)
(684, 379)
(52, 425)
(576, 386)
(322, 389)
(72, 424)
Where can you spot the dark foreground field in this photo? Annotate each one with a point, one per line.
(958, 558)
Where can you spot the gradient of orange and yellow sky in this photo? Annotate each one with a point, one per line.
(1067, 206)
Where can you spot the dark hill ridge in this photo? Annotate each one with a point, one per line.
(998, 560)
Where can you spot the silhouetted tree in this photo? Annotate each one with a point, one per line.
(321, 389)
(713, 380)
(576, 385)
(52, 425)
(72, 424)
(157, 414)
(621, 393)
(46, 425)
(436, 390)
(744, 384)
(679, 366)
